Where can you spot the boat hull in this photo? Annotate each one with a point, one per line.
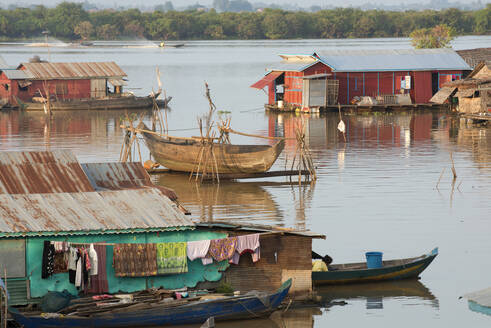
(232, 308)
(410, 270)
(182, 155)
(130, 102)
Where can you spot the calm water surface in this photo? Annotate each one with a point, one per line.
(375, 191)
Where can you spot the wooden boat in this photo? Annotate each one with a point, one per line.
(162, 314)
(409, 268)
(123, 102)
(181, 154)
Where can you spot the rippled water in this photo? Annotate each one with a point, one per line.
(375, 191)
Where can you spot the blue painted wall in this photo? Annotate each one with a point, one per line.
(58, 282)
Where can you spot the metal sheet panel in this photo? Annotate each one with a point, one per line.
(267, 80)
(393, 60)
(41, 172)
(114, 176)
(13, 258)
(16, 74)
(96, 212)
(317, 93)
(117, 82)
(18, 291)
(97, 88)
(58, 71)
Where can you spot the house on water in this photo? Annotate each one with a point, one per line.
(389, 77)
(48, 200)
(82, 85)
(471, 96)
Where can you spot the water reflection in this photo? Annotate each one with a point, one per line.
(227, 201)
(375, 294)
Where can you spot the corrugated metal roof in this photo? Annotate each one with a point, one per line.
(90, 212)
(393, 60)
(3, 63)
(15, 74)
(39, 172)
(91, 70)
(286, 66)
(114, 176)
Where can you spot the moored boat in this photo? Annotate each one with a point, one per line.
(123, 102)
(162, 314)
(408, 268)
(181, 154)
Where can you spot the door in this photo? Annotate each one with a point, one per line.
(317, 94)
(97, 88)
(434, 83)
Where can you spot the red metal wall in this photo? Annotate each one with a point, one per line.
(365, 84)
(293, 88)
(75, 89)
(4, 93)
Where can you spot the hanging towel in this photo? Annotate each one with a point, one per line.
(172, 258)
(72, 259)
(98, 283)
(247, 244)
(60, 262)
(78, 272)
(222, 249)
(197, 249)
(135, 260)
(93, 260)
(47, 260)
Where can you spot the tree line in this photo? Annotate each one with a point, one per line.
(70, 21)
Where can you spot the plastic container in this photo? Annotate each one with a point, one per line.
(374, 260)
(280, 103)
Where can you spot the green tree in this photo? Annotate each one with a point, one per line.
(437, 37)
(63, 18)
(84, 30)
(107, 32)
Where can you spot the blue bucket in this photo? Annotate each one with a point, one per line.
(374, 260)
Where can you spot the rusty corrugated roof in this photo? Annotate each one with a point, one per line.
(89, 212)
(40, 172)
(60, 71)
(114, 176)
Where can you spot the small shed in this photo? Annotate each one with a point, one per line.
(323, 79)
(472, 96)
(63, 81)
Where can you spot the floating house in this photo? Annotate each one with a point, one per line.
(83, 85)
(388, 77)
(470, 96)
(49, 197)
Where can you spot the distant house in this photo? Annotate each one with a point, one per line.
(62, 81)
(324, 79)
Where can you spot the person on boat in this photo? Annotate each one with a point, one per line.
(320, 263)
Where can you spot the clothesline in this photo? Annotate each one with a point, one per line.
(113, 244)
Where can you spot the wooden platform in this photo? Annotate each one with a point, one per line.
(476, 117)
(357, 108)
(234, 176)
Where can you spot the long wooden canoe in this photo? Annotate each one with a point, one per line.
(181, 154)
(409, 268)
(162, 314)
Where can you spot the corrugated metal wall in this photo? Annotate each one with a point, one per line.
(422, 87)
(293, 88)
(97, 88)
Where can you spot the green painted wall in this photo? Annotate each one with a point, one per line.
(58, 282)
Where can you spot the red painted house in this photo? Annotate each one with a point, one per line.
(327, 78)
(62, 81)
